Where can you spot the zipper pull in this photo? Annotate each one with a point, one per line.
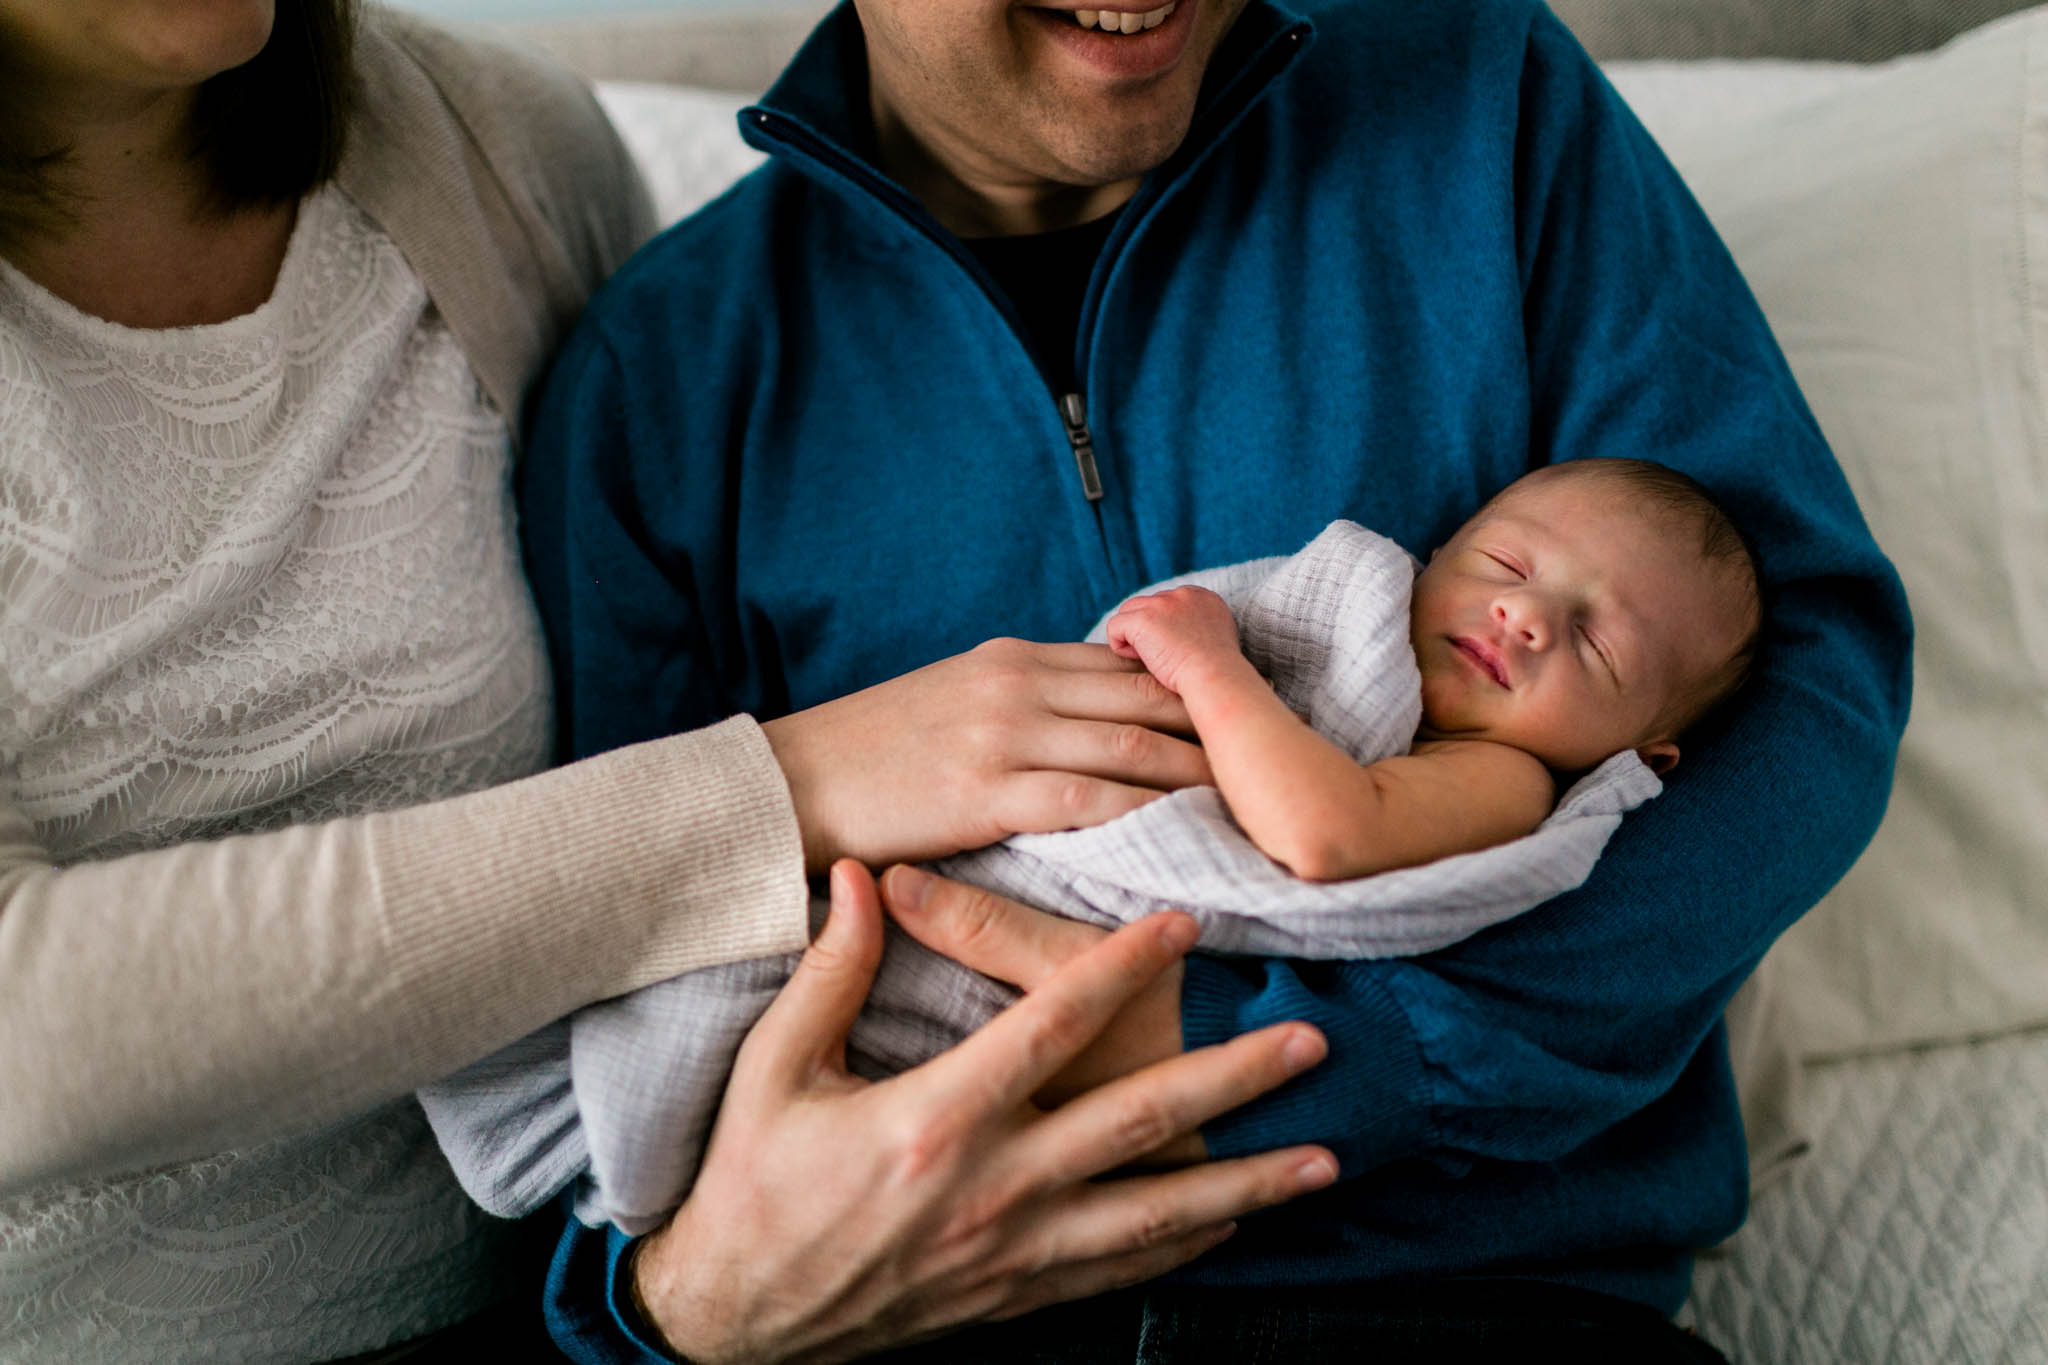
(1074, 412)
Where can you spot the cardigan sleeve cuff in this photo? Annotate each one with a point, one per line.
(590, 881)
(1368, 1101)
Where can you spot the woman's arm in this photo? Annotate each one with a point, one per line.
(1303, 801)
(1009, 738)
(172, 1003)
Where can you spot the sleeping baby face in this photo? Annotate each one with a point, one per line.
(1572, 618)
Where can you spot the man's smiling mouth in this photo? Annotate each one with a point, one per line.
(1124, 21)
(1485, 656)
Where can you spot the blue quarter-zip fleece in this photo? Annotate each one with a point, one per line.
(1407, 252)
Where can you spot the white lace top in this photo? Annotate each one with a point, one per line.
(251, 574)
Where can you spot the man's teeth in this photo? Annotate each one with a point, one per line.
(1123, 21)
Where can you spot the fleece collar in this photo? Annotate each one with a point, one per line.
(816, 116)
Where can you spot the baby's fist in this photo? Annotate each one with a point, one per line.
(1172, 631)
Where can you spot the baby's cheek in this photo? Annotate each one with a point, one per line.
(1439, 698)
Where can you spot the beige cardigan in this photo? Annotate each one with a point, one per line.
(164, 1005)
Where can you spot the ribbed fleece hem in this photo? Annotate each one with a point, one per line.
(1361, 1102)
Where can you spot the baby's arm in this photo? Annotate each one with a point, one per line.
(1303, 801)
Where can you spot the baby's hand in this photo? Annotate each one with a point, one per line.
(1175, 632)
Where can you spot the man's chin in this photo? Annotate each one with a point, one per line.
(1103, 158)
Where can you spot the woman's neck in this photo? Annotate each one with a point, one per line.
(140, 242)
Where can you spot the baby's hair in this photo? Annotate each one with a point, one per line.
(1722, 543)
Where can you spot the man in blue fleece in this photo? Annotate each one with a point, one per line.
(1032, 306)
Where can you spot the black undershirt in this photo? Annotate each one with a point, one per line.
(1045, 276)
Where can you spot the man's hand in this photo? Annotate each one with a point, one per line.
(1008, 738)
(1026, 947)
(1176, 633)
(833, 1217)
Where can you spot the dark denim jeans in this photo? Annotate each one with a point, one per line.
(1489, 1321)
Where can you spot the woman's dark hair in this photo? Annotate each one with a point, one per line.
(268, 131)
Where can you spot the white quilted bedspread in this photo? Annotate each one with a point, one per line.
(1917, 1230)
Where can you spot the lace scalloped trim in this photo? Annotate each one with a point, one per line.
(254, 574)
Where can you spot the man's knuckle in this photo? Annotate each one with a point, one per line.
(1145, 1125)
(925, 1144)
(1064, 1024)
(1154, 1224)
(1004, 660)
(822, 959)
(975, 1224)
(979, 914)
(1004, 689)
(984, 739)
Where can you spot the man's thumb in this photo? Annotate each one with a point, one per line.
(808, 1020)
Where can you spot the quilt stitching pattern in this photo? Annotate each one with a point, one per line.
(1917, 1231)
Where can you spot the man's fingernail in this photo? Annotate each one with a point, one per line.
(908, 886)
(1302, 1051)
(1179, 932)
(1316, 1172)
(839, 887)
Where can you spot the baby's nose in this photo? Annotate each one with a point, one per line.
(1523, 620)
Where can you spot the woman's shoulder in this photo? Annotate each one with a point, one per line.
(430, 96)
(512, 98)
(499, 178)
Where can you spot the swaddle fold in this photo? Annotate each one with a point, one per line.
(620, 1098)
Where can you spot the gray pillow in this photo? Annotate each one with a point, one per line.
(1811, 30)
(741, 50)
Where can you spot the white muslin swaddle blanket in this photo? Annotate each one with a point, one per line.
(619, 1097)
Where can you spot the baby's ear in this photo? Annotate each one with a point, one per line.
(1660, 757)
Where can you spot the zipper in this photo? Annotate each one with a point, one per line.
(1072, 408)
(1074, 415)
(1264, 65)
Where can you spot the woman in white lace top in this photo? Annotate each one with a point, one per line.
(271, 286)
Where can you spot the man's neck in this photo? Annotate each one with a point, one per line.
(970, 205)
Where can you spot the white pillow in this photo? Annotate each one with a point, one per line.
(1893, 221)
(685, 140)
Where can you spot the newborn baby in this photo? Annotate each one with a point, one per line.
(1388, 746)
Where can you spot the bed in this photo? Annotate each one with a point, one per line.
(1880, 170)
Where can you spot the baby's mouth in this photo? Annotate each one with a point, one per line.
(1124, 21)
(1485, 656)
